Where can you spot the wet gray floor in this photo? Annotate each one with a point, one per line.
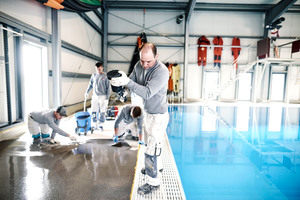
(92, 170)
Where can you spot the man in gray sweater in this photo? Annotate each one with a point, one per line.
(149, 80)
(101, 93)
(39, 123)
(131, 117)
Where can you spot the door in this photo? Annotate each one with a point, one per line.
(35, 78)
(211, 84)
(245, 85)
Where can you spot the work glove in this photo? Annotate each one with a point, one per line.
(52, 141)
(120, 81)
(141, 142)
(86, 95)
(115, 138)
(73, 138)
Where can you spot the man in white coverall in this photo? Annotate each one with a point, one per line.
(149, 80)
(101, 92)
(39, 123)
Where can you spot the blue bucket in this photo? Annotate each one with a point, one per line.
(83, 120)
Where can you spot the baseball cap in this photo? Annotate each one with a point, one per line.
(62, 111)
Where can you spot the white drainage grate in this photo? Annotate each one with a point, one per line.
(170, 187)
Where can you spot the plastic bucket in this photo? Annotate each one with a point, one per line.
(83, 119)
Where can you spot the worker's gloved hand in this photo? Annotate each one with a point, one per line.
(120, 81)
(141, 142)
(86, 95)
(73, 138)
(115, 138)
(52, 141)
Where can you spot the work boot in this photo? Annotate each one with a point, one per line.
(143, 171)
(147, 189)
(36, 136)
(135, 138)
(45, 135)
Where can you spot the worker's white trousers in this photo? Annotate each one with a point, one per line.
(124, 127)
(99, 102)
(36, 128)
(155, 129)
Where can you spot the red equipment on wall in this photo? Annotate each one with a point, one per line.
(170, 82)
(202, 51)
(218, 50)
(236, 51)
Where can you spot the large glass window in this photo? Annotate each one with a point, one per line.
(23, 82)
(35, 77)
(3, 94)
(277, 87)
(9, 85)
(245, 85)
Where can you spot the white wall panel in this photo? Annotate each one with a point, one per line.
(291, 25)
(76, 31)
(227, 23)
(122, 21)
(30, 12)
(120, 53)
(80, 64)
(171, 55)
(117, 66)
(122, 39)
(165, 40)
(94, 18)
(163, 22)
(72, 90)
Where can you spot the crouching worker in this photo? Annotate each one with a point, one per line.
(129, 119)
(40, 121)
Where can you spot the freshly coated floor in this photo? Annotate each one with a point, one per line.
(87, 169)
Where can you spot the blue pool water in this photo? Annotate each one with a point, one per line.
(236, 153)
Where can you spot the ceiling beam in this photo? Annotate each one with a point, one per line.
(190, 9)
(183, 6)
(276, 11)
(145, 5)
(86, 18)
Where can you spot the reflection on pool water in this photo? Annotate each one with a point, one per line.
(241, 152)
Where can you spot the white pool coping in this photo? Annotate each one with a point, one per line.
(170, 187)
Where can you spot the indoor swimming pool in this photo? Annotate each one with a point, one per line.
(236, 152)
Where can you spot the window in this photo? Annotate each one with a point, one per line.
(35, 77)
(9, 78)
(277, 87)
(245, 86)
